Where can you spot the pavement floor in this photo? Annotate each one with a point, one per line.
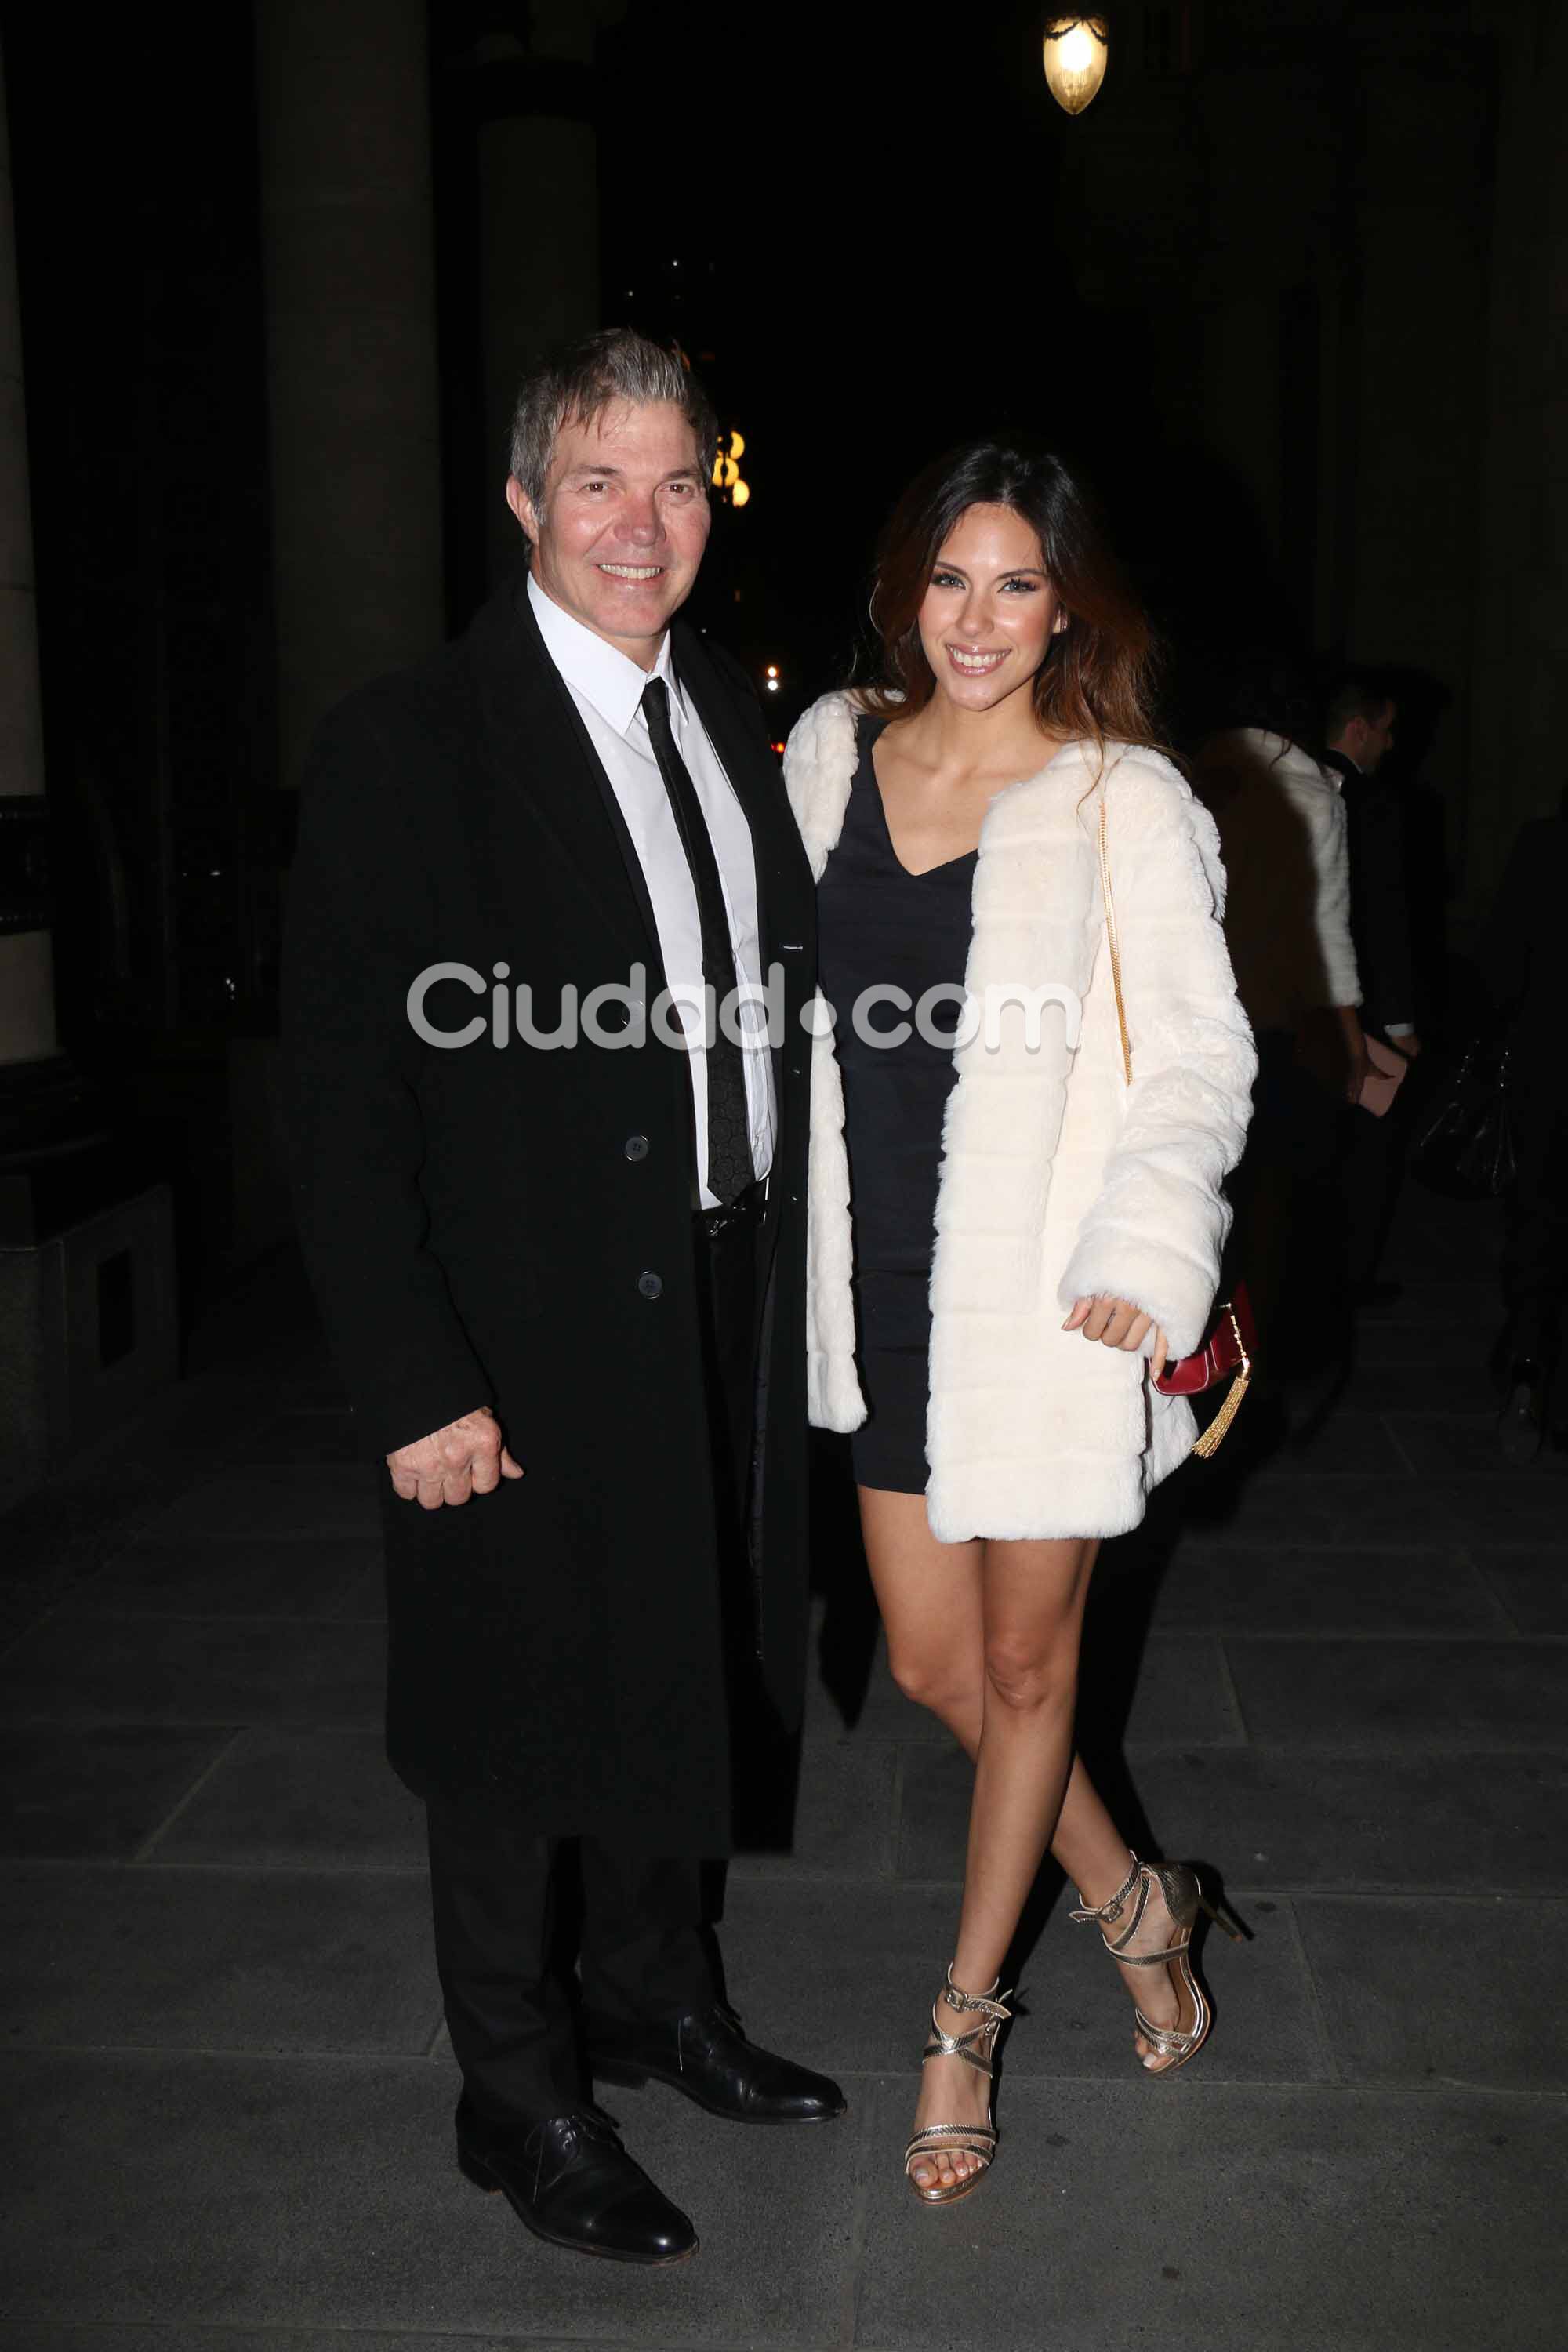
(1333, 1676)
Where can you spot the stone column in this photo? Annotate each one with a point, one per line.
(538, 219)
(87, 1275)
(1520, 707)
(27, 968)
(1417, 155)
(343, 107)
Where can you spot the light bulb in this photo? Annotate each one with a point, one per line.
(1075, 50)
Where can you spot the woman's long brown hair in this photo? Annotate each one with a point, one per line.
(1098, 677)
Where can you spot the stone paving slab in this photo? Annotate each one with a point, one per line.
(1281, 1589)
(321, 2193)
(100, 1791)
(240, 1576)
(180, 1670)
(298, 1498)
(1443, 1446)
(889, 1952)
(1350, 1444)
(32, 2337)
(1434, 1297)
(1440, 1992)
(1420, 1386)
(1211, 2218)
(1339, 2169)
(1532, 1586)
(295, 1796)
(843, 1819)
(219, 1959)
(1432, 1337)
(1377, 1695)
(1294, 1507)
(1466, 1824)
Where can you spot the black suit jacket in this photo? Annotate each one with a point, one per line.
(1380, 911)
(512, 1225)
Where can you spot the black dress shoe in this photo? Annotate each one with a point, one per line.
(704, 2053)
(571, 2181)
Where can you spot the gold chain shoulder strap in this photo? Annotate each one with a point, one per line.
(1110, 904)
(1209, 1441)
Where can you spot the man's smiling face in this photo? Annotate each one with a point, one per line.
(624, 523)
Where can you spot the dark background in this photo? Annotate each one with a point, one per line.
(1292, 287)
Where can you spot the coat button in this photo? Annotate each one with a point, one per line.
(649, 1284)
(636, 1147)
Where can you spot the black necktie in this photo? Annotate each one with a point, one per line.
(730, 1169)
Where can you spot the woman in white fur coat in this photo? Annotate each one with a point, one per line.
(1007, 1237)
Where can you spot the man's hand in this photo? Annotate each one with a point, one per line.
(468, 1457)
(1116, 1324)
(1359, 1064)
(1407, 1042)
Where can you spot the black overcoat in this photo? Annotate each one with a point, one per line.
(512, 1225)
(1380, 909)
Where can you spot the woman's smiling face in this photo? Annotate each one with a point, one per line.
(990, 611)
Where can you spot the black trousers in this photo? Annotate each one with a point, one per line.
(1535, 1252)
(496, 1885)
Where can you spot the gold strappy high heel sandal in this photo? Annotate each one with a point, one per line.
(1183, 1900)
(976, 2048)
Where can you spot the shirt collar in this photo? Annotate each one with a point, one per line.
(597, 671)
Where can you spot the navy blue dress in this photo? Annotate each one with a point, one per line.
(877, 924)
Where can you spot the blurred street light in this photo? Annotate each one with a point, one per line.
(727, 471)
(1075, 50)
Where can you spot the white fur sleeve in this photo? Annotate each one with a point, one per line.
(1155, 1232)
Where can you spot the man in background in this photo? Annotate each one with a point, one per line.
(1359, 732)
(1359, 729)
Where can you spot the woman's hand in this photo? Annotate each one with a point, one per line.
(1117, 1324)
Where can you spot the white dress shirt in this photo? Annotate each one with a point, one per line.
(607, 688)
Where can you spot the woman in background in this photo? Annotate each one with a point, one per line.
(1008, 1235)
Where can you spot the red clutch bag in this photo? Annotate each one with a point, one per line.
(1231, 1346)
(1227, 1354)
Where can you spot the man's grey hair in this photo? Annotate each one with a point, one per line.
(576, 385)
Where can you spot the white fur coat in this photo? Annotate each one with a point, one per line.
(1057, 1179)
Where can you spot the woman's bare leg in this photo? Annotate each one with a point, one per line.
(1092, 1852)
(929, 1596)
(987, 1637)
(1032, 1599)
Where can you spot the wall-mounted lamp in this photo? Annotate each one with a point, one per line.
(1075, 50)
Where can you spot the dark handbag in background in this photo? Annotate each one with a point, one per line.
(1230, 1345)
(1464, 1148)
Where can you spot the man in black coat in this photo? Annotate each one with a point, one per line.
(1360, 723)
(558, 1246)
(1361, 720)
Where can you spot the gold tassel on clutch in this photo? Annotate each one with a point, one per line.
(1209, 1443)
